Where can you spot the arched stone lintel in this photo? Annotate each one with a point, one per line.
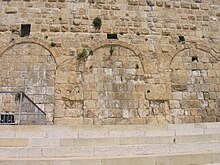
(202, 46)
(25, 40)
(135, 50)
(132, 48)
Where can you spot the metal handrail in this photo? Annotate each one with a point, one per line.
(33, 103)
(27, 112)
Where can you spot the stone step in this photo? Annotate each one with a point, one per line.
(71, 142)
(108, 131)
(203, 158)
(112, 150)
(107, 145)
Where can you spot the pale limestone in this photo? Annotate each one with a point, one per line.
(162, 67)
(13, 142)
(114, 144)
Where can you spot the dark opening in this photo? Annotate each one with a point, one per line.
(112, 36)
(25, 30)
(148, 91)
(7, 119)
(195, 59)
(182, 39)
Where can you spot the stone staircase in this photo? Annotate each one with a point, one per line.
(179, 144)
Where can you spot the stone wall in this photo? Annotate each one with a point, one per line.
(159, 66)
(31, 69)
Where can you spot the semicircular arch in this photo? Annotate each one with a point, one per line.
(41, 43)
(202, 46)
(30, 67)
(132, 48)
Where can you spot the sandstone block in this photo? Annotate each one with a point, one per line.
(195, 6)
(54, 28)
(177, 112)
(174, 104)
(11, 10)
(209, 119)
(168, 4)
(3, 28)
(193, 104)
(150, 2)
(11, 142)
(185, 5)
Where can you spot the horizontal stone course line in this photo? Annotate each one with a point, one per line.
(68, 132)
(197, 131)
(165, 159)
(116, 141)
(47, 128)
(19, 152)
(207, 125)
(193, 147)
(70, 142)
(139, 140)
(66, 152)
(38, 142)
(113, 150)
(132, 150)
(181, 126)
(212, 131)
(111, 127)
(7, 134)
(93, 134)
(213, 153)
(13, 142)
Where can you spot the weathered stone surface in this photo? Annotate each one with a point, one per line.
(149, 61)
(11, 10)
(3, 28)
(150, 2)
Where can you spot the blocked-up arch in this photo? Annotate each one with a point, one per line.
(199, 46)
(112, 83)
(194, 80)
(41, 43)
(113, 44)
(132, 48)
(30, 67)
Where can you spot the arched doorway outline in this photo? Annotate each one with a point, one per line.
(41, 43)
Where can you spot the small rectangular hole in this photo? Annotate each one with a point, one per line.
(25, 30)
(182, 39)
(195, 59)
(112, 36)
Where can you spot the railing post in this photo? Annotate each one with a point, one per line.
(24, 110)
(45, 119)
(20, 108)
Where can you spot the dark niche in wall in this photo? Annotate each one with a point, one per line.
(112, 36)
(25, 30)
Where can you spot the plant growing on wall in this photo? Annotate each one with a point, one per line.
(18, 96)
(91, 52)
(97, 23)
(52, 44)
(83, 55)
(112, 49)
